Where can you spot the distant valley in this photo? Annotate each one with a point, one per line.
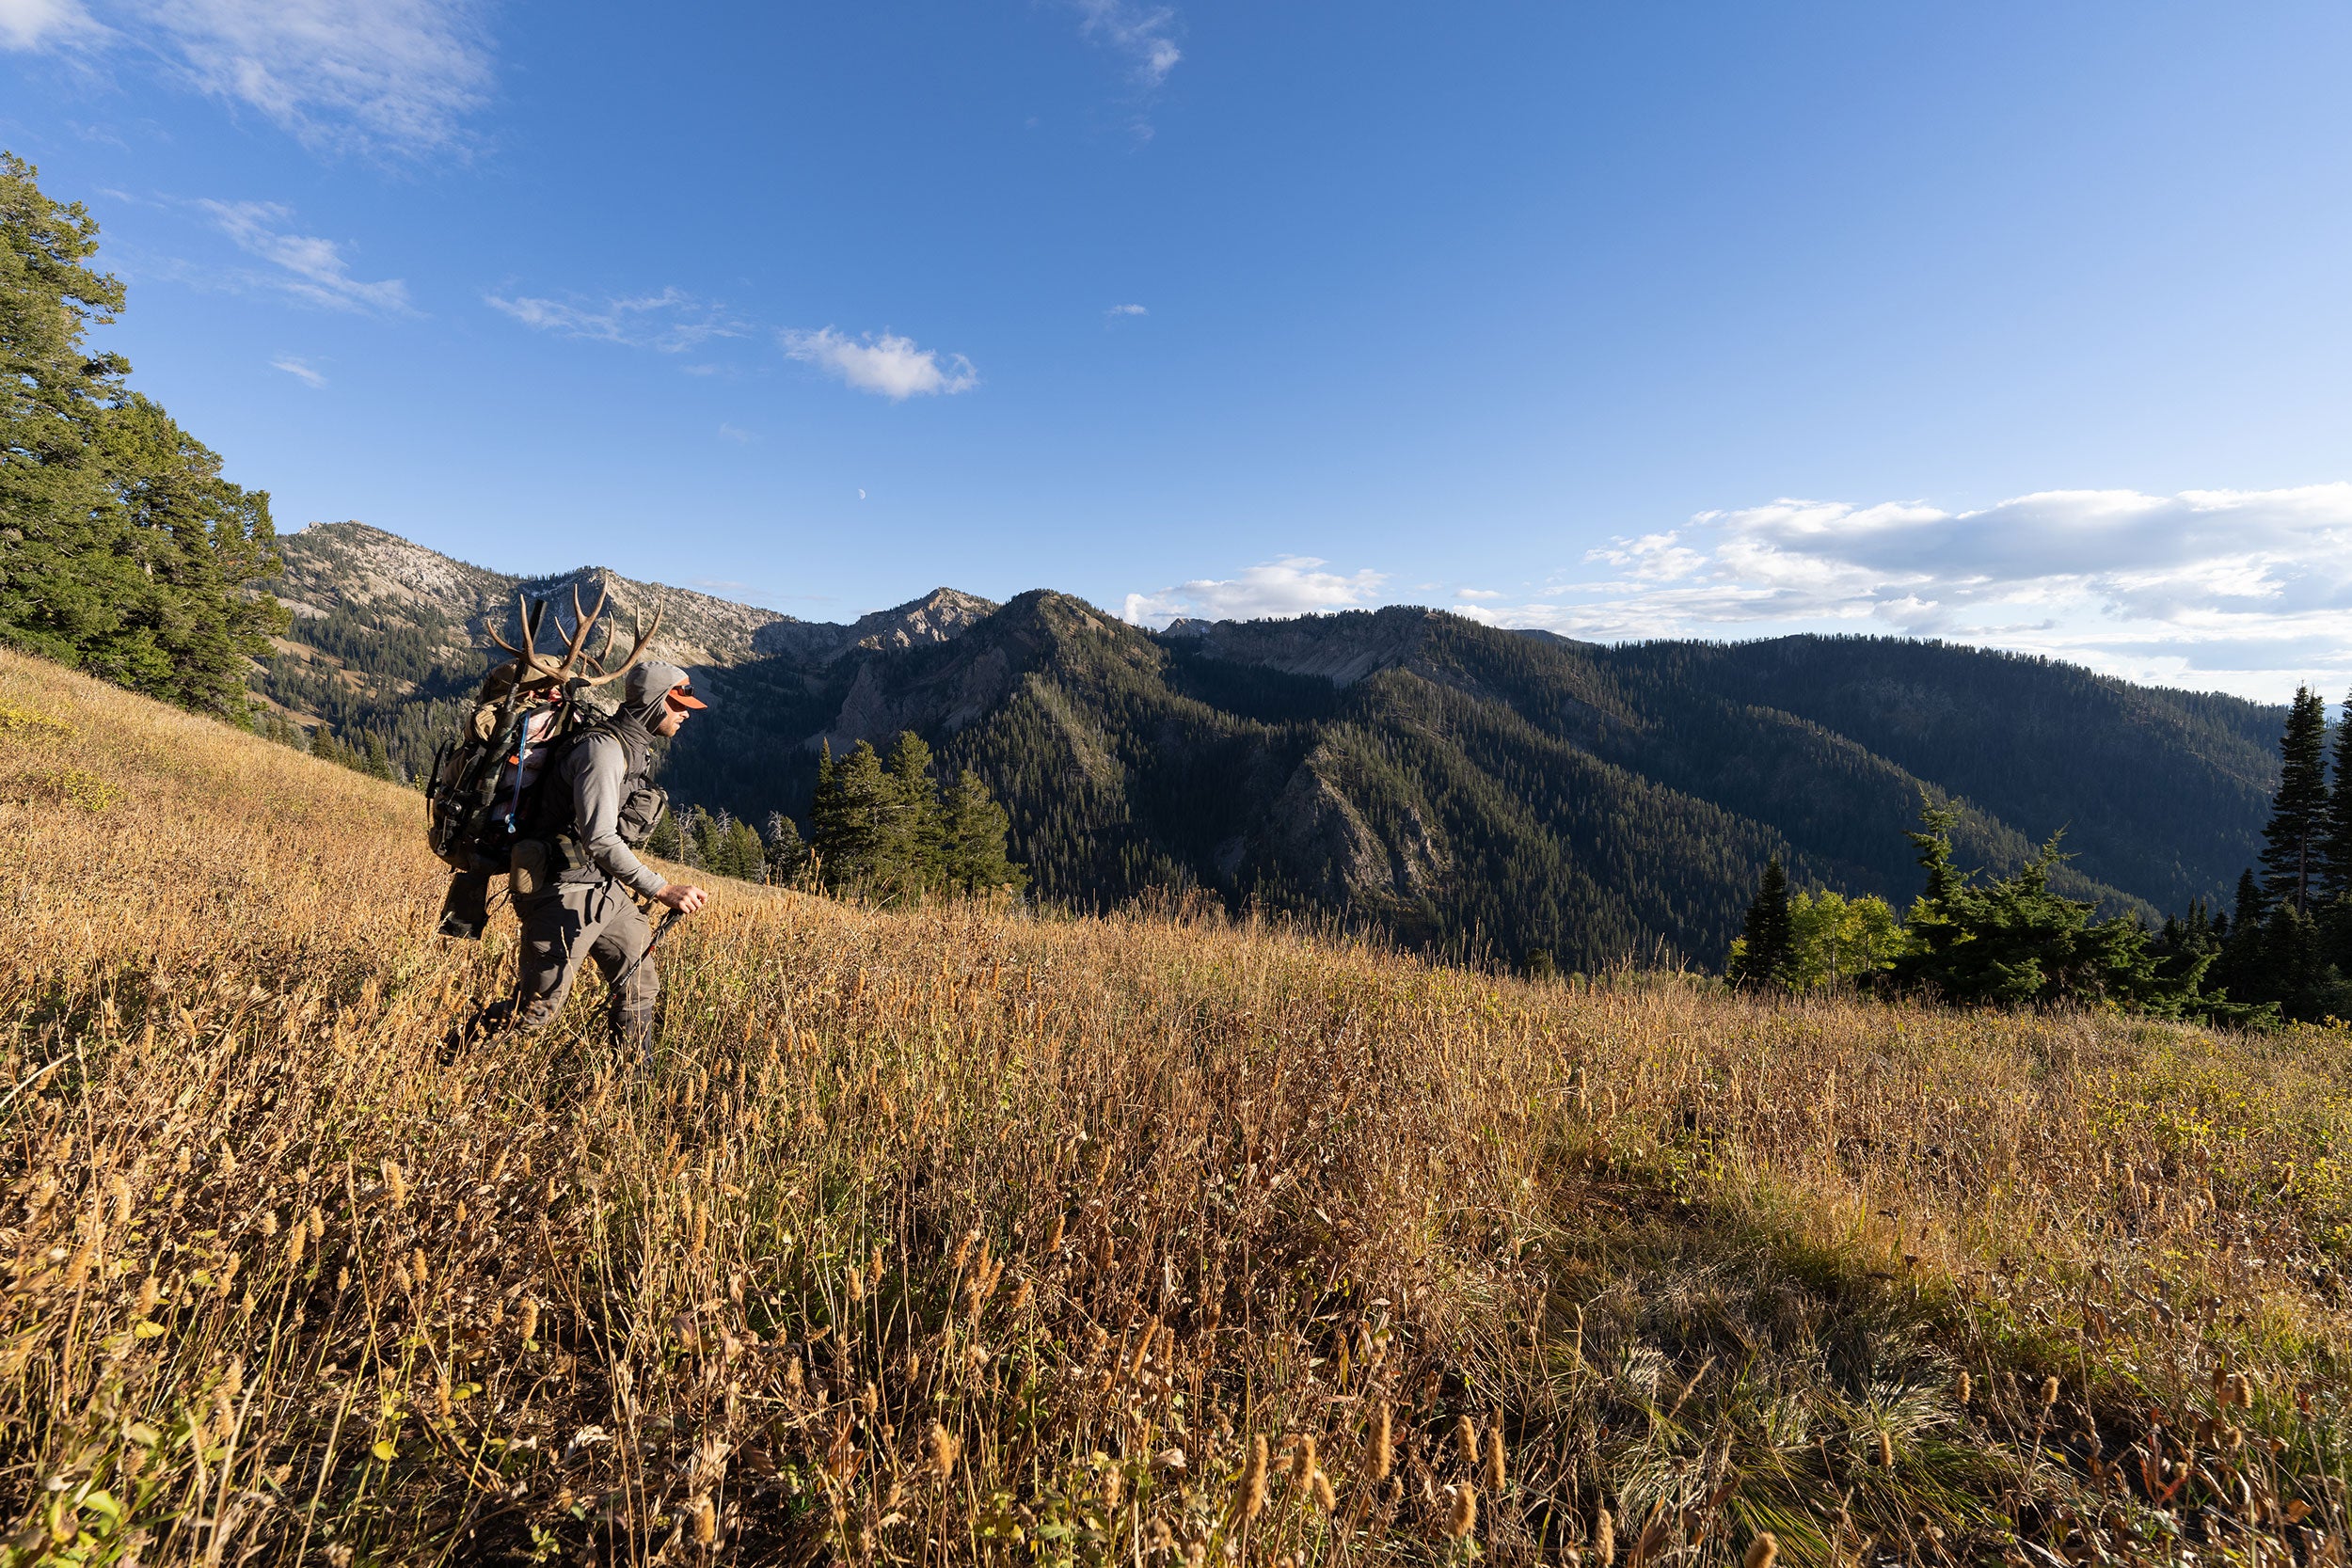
(1464, 787)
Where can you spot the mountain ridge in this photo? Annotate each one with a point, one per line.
(1457, 784)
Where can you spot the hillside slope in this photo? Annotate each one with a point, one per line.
(950, 1235)
(1450, 783)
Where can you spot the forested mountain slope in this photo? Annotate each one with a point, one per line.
(1460, 786)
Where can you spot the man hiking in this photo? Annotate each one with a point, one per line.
(577, 871)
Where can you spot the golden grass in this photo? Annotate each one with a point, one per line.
(952, 1235)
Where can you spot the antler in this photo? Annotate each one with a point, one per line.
(637, 651)
(528, 657)
(583, 621)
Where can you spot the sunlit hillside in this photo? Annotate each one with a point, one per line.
(953, 1235)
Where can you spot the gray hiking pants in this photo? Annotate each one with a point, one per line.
(586, 920)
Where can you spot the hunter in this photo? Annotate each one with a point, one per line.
(592, 807)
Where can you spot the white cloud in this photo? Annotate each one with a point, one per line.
(1288, 585)
(889, 366)
(46, 24)
(1140, 32)
(310, 268)
(1477, 595)
(2241, 590)
(299, 369)
(737, 434)
(671, 321)
(397, 77)
(1126, 310)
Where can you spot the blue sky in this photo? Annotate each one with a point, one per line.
(2018, 323)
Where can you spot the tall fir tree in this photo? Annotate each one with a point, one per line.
(912, 833)
(125, 553)
(974, 853)
(787, 855)
(854, 803)
(1768, 943)
(2335, 854)
(2294, 842)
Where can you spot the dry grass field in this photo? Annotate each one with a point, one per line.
(955, 1235)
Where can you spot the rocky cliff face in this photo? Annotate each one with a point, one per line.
(332, 566)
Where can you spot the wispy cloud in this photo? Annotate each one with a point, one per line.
(886, 365)
(1118, 310)
(1141, 33)
(1477, 595)
(377, 76)
(2241, 590)
(1288, 585)
(308, 268)
(671, 321)
(735, 433)
(47, 24)
(300, 369)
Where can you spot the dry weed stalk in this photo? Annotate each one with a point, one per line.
(290, 1278)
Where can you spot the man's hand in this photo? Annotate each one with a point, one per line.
(682, 898)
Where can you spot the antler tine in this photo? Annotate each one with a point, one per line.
(612, 638)
(583, 620)
(637, 650)
(527, 656)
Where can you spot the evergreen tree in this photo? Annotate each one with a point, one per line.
(2015, 941)
(787, 856)
(910, 832)
(2335, 853)
(710, 835)
(854, 801)
(2294, 842)
(973, 854)
(124, 552)
(664, 839)
(1766, 948)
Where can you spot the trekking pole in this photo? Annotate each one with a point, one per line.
(630, 967)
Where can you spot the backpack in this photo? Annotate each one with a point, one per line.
(485, 779)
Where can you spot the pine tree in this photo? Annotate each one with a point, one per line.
(1767, 949)
(125, 553)
(974, 853)
(2335, 854)
(854, 798)
(910, 834)
(664, 839)
(2292, 844)
(741, 853)
(787, 856)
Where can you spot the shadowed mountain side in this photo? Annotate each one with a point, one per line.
(1455, 784)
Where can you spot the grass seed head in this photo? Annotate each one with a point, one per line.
(1250, 1497)
(1466, 1439)
(1325, 1498)
(1498, 1469)
(1383, 1443)
(1762, 1551)
(1604, 1544)
(1463, 1515)
(939, 1444)
(395, 1184)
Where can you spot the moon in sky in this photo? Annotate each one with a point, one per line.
(861, 495)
